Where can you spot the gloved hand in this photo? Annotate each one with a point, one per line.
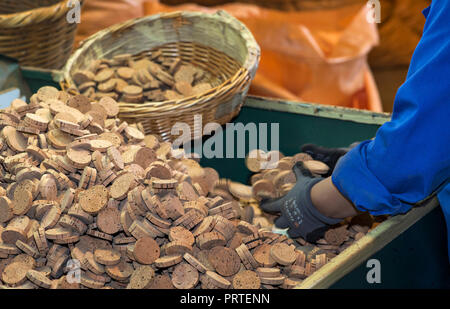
(297, 210)
(329, 156)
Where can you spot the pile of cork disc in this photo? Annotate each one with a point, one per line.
(147, 76)
(273, 177)
(88, 201)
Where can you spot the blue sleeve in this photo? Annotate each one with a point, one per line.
(409, 158)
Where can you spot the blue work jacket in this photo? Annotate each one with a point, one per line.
(409, 159)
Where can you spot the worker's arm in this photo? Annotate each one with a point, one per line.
(407, 161)
(410, 157)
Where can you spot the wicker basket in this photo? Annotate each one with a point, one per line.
(36, 32)
(218, 43)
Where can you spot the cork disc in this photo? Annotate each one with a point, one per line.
(246, 279)
(47, 93)
(100, 145)
(161, 282)
(255, 160)
(144, 157)
(316, 167)
(195, 262)
(110, 105)
(22, 201)
(59, 139)
(146, 250)
(121, 271)
(141, 277)
(15, 139)
(158, 170)
(336, 236)
(263, 187)
(262, 256)
(185, 276)
(108, 257)
(134, 134)
(39, 279)
(114, 138)
(301, 157)
(94, 199)
(218, 280)
(122, 185)
(79, 157)
(186, 191)
(283, 254)
(225, 261)
(179, 233)
(108, 220)
(6, 209)
(116, 157)
(168, 260)
(151, 141)
(15, 273)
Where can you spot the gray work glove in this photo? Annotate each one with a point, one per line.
(297, 210)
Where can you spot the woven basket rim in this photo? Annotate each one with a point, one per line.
(250, 63)
(29, 17)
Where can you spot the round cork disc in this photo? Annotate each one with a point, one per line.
(79, 157)
(108, 220)
(316, 167)
(158, 170)
(108, 257)
(26, 259)
(179, 233)
(134, 134)
(161, 282)
(302, 156)
(122, 185)
(218, 280)
(263, 187)
(116, 157)
(144, 157)
(151, 141)
(22, 201)
(186, 191)
(262, 256)
(100, 145)
(141, 277)
(168, 260)
(6, 209)
(246, 279)
(47, 187)
(114, 138)
(336, 236)
(47, 93)
(146, 250)
(15, 273)
(185, 276)
(225, 260)
(80, 102)
(125, 72)
(59, 139)
(94, 199)
(39, 279)
(121, 271)
(15, 139)
(283, 254)
(255, 160)
(110, 105)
